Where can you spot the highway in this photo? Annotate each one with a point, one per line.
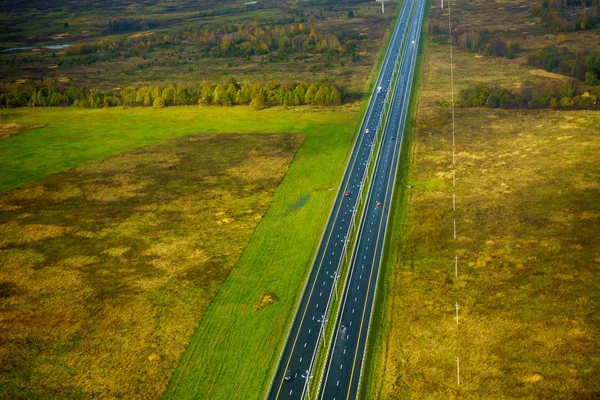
(345, 360)
(298, 355)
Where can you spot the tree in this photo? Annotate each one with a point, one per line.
(168, 95)
(159, 102)
(259, 101)
(335, 98)
(206, 94)
(309, 97)
(219, 95)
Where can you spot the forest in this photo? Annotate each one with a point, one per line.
(584, 67)
(568, 15)
(566, 96)
(50, 93)
(277, 42)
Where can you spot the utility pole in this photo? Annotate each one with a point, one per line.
(382, 6)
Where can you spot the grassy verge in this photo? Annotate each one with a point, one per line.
(234, 348)
(526, 190)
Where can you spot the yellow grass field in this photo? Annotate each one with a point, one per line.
(527, 226)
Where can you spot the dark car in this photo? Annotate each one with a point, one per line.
(347, 194)
(290, 375)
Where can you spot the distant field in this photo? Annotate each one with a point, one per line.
(36, 23)
(117, 260)
(527, 218)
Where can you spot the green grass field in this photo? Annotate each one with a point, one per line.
(527, 222)
(72, 136)
(128, 294)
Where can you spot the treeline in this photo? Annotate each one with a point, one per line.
(529, 96)
(478, 41)
(568, 15)
(583, 67)
(131, 25)
(52, 94)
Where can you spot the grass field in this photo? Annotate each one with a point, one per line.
(527, 218)
(69, 137)
(108, 268)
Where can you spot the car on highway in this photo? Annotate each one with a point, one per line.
(290, 375)
(347, 193)
(378, 204)
(367, 131)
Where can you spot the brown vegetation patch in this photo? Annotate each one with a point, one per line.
(266, 300)
(12, 129)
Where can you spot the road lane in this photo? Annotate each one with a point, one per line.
(342, 373)
(306, 332)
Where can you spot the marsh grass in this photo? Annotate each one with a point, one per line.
(527, 227)
(107, 268)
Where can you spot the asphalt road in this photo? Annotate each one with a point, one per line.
(307, 328)
(345, 361)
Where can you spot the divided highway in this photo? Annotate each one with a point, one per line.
(345, 361)
(298, 356)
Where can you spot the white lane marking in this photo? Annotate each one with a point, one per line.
(353, 311)
(341, 366)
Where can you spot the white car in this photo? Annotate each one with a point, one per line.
(413, 42)
(367, 131)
